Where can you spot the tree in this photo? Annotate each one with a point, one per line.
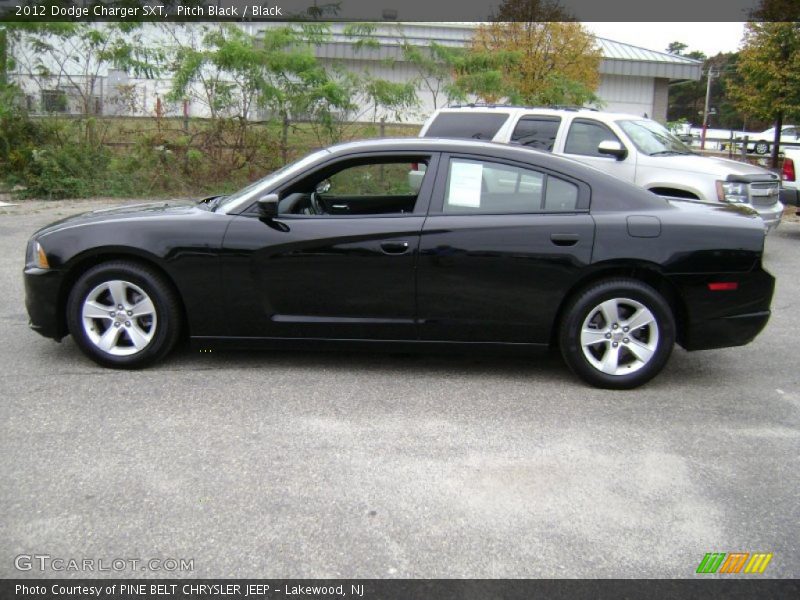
(483, 74)
(676, 48)
(769, 71)
(435, 65)
(533, 62)
(531, 11)
(231, 72)
(75, 54)
(686, 98)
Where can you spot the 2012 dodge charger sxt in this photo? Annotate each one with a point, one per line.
(494, 246)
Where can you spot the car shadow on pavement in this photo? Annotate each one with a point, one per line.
(542, 367)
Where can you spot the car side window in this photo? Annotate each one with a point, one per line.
(482, 187)
(561, 196)
(382, 179)
(372, 187)
(586, 135)
(537, 132)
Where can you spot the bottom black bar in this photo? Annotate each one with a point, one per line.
(393, 589)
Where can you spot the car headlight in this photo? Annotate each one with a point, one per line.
(732, 191)
(35, 256)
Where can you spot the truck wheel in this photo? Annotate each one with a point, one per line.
(762, 148)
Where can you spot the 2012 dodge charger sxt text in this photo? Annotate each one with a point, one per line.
(493, 246)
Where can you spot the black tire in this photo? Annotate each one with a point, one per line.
(762, 148)
(139, 282)
(626, 294)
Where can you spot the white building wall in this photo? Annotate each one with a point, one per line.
(633, 95)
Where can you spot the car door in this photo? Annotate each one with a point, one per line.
(345, 273)
(581, 143)
(501, 245)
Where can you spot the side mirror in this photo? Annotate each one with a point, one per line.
(611, 148)
(268, 206)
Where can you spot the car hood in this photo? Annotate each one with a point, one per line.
(129, 211)
(722, 168)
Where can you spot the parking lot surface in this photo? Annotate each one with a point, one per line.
(290, 464)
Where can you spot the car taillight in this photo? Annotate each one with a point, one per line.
(723, 286)
(415, 166)
(788, 170)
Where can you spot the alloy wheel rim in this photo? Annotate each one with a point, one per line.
(119, 318)
(619, 336)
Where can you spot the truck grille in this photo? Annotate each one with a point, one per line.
(764, 194)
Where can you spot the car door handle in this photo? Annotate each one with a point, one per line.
(565, 239)
(394, 247)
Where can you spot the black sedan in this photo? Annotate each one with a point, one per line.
(427, 243)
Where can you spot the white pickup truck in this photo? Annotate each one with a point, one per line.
(789, 174)
(632, 148)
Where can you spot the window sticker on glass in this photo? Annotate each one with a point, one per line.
(465, 184)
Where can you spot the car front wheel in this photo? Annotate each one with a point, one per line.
(617, 334)
(123, 315)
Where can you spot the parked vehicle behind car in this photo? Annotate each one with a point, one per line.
(761, 143)
(498, 247)
(789, 174)
(632, 148)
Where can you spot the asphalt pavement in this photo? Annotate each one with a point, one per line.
(304, 464)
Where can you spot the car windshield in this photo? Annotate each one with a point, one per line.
(247, 194)
(653, 138)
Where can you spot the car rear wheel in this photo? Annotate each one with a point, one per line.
(123, 314)
(617, 334)
(762, 148)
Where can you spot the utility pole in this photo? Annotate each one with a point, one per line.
(710, 76)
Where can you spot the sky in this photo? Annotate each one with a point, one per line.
(710, 38)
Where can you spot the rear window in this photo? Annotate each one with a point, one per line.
(476, 126)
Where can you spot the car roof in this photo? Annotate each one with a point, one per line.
(412, 143)
(543, 110)
(484, 147)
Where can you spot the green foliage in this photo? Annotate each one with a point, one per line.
(220, 65)
(677, 126)
(19, 135)
(435, 65)
(76, 53)
(481, 73)
(65, 171)
(531, 61)
(365, 180)
(677, 48)
(687, 98)
(769, 70)
(560, 89)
